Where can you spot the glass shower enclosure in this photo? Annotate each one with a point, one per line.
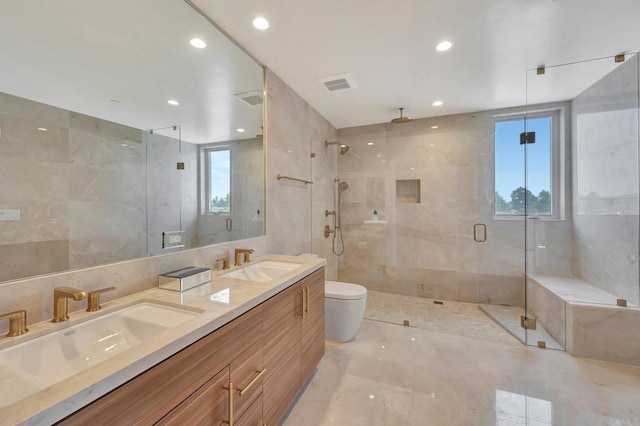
(566, 195)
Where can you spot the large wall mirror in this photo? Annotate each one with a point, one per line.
(127, 129)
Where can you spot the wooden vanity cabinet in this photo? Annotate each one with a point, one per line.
(313, 324)
(149, 397)
(293, 323)
(267, 354)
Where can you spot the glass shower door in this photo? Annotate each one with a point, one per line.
(581, 247)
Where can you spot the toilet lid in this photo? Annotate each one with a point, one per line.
(345, 291)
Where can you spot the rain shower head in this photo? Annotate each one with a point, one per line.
(343, 148)
(343, 186)
(401, 119)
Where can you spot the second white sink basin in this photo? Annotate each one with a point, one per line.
(263, 271)
(35, 364)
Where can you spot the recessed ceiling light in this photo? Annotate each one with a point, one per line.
(434, 127)
(437, 103)
(260, 23)
(369, 143)
(124, 144)
(444, 45)
(173, 102)
(198, 43)
(240, 130)
(289, 151)
(42, 129)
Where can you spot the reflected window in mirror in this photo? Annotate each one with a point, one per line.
(218, 178)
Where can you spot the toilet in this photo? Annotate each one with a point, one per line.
(344, 305)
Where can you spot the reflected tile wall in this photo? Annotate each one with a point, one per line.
(294, 221)
(427, 249)
(36, 294)
(606, 183)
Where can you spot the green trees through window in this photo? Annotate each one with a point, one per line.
(523, 172)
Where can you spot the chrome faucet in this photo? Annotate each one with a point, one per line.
(17, 322)
(60, 298)
(240, 252)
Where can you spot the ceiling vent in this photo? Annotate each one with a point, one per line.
(337, 83)
(252, 98)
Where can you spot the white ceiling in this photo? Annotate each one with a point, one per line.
(388, 47)
(81, 54)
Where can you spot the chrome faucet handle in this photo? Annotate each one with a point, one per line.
(17, 322)
(93, 299)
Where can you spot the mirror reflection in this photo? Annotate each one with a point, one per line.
(107, 115)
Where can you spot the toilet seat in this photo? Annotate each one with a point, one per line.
(344, 291)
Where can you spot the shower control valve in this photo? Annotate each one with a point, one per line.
(328, 213)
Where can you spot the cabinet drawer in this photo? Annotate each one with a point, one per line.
(253, 415)
(247, 373)
(209, 405)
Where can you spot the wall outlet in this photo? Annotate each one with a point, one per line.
(8, 215)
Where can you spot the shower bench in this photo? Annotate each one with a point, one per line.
(585, 319)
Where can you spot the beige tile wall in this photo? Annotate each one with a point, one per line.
(295, 214)
(605, 183)
(427, 249)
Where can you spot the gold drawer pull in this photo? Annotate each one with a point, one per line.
(307, 298)
(229, 389)
(255, 379)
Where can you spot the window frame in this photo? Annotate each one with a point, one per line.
(557, 168)
(206, 177)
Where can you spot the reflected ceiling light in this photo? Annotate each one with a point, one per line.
(198, 43)
(173, 102)
(240, 130)
(124, 144)
(42, 129)
(434, 127)
(444, 45)
(260, 23)
(369, 143)
(437, 103)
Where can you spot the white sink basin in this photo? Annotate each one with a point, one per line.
(264, 271)
(31, 366)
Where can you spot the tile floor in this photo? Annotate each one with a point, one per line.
(455, 366)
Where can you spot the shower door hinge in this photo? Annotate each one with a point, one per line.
(619, 58)
(540, 70)
(527, 323)
(313, 155)
(180, 166)
(527, 137)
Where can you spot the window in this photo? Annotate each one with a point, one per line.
(218, 180)
(526, 170)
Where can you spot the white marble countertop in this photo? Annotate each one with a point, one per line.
(220, 301)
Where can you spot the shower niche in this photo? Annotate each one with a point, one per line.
(408, 191)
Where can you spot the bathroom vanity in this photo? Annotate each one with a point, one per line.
(242, 360)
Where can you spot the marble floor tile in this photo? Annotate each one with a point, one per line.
(456, 366)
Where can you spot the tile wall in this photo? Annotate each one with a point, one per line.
(605, 183)
(427, 249)
(295, 214)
